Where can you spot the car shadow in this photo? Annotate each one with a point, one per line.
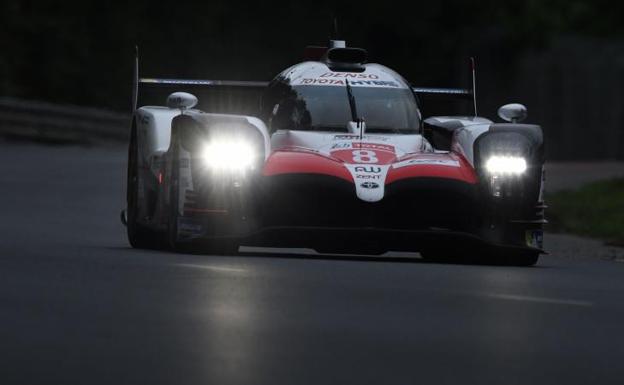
(309, 254)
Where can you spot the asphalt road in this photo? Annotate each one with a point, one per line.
(78, 306)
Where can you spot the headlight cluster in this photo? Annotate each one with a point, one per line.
(229, 155)
(506, 165)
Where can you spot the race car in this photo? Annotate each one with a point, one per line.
(337, 158)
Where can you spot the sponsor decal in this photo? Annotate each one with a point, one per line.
(369, 180)
(376, 138)
(342, 145)
(345, 137)
(366, 137)
(340, 82)
(429, 161)
(358, 145)
(534, 238)
(369, 185)
(369, 169)
(374, 146)
(367, 176)
(380, 83)
(189, 227)
(350, 75)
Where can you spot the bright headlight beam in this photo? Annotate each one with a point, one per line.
(506, 165)
(229, 155)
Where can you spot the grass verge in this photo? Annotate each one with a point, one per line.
(595, 210)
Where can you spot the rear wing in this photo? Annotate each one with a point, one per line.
(220, 86)
(452, 93)
(211, 83)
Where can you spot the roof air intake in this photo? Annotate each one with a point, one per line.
(346, 59)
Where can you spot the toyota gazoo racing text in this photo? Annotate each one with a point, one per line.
(337, 158)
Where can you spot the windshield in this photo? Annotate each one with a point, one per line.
(326, 108)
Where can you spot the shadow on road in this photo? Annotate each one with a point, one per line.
(308, 254)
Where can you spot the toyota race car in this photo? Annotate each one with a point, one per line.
(337, 158)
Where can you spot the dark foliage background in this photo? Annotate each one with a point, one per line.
(80, 52)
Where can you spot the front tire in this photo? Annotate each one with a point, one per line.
(174, 202)
(139, 236)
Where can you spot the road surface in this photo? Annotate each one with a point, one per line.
(78, 306)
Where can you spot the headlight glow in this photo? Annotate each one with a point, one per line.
(229, 155)
(506, 165)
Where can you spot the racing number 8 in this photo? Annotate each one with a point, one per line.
(364, 156)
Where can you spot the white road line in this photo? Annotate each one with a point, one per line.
(554, 301)
(214, 268)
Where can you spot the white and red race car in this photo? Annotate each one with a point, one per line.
(338, 159)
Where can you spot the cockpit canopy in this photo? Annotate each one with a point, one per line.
(312, 97)
(322, 108)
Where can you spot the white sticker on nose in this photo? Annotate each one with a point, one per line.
(370, 180)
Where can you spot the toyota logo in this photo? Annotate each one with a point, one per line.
(369, 185)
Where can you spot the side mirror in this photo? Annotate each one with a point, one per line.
(514, 112)
(181, 101)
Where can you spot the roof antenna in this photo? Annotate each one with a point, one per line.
(335, 41)
(473, 69)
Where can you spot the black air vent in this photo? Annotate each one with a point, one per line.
(347, 55)
(346, 59)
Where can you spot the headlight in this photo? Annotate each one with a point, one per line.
(229, 155)
(514, 165)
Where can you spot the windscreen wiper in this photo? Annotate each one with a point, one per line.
(353, 107)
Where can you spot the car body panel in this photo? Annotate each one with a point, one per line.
(369, 162)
